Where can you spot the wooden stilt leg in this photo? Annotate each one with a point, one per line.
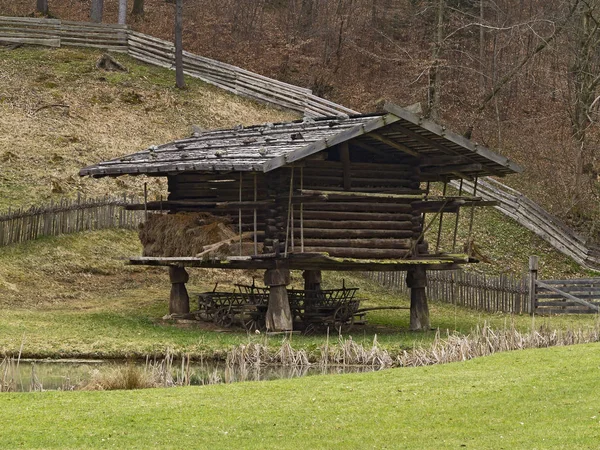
(279, 316)
(416, 280)
(179, 301)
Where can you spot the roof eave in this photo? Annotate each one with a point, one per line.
(437, 129)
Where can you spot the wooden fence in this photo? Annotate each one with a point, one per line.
(580, 296)
(67, 216)
(119, 38)
(502, 293)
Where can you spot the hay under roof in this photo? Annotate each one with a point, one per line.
(262, 148)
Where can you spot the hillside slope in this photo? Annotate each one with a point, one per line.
(59, 113)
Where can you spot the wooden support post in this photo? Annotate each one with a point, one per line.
(240, 217)
(301, 211)
(416, 280)
(533, 274)
(289, 213)
(179, 301)
(279, 316)
(469, 243)
(460, 189)
(312, 280)
(345, 158)
(146, 202)
(255, 221)
(439, 234)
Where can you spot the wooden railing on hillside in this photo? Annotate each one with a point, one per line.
(504, 293)
(535, 218)
(67, 216)
(119, 38)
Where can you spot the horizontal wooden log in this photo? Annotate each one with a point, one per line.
(360, 207)
(579, 281)
(324, 233)
(32, 41)
(361, 253)
(401, 219)
(357, 224)
(553, 311)
(558, 304)
(360, 243)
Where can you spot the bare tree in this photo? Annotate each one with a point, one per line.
(122, 12)
(42, 6)
(138, 8)
(585, 81)
(97, 10)
(435, 77)
(180, 80)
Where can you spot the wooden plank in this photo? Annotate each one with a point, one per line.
(29, 20)
(567, 295)
(32, 41)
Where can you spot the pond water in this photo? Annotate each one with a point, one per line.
(37, 375)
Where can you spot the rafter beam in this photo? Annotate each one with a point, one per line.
(394, 144)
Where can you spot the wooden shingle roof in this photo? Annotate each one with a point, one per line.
(266, 147)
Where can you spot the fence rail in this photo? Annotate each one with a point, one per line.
(152, 50)
(502, 293)
(67, 216)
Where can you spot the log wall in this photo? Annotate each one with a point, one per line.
(348, 224)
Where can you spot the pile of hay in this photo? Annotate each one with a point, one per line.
(185, 234)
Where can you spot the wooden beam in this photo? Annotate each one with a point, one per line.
(345, 158)
(394, 144)
(361, 194)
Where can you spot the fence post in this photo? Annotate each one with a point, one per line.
(533, 274)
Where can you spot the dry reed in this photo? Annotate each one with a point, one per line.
(484, 341)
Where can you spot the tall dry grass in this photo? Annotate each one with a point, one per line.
(485, 341)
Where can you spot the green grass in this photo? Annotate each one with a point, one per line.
(526, 399)
(71, 296)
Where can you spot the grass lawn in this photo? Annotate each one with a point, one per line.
(526, 399)
(70, 296)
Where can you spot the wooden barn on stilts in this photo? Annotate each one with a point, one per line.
(342, 194)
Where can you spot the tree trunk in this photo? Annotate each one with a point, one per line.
(122, 12)
(179, 301)
(138, 8)
(435, 78)
(179, 78)
(97, 10)
(279, 316)
(416, 280)
(42, 7)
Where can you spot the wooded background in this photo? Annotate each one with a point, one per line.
(521, 74)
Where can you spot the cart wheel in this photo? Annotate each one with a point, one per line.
(309, 330)
(343, 319)
(223, 318)
(251, 324)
